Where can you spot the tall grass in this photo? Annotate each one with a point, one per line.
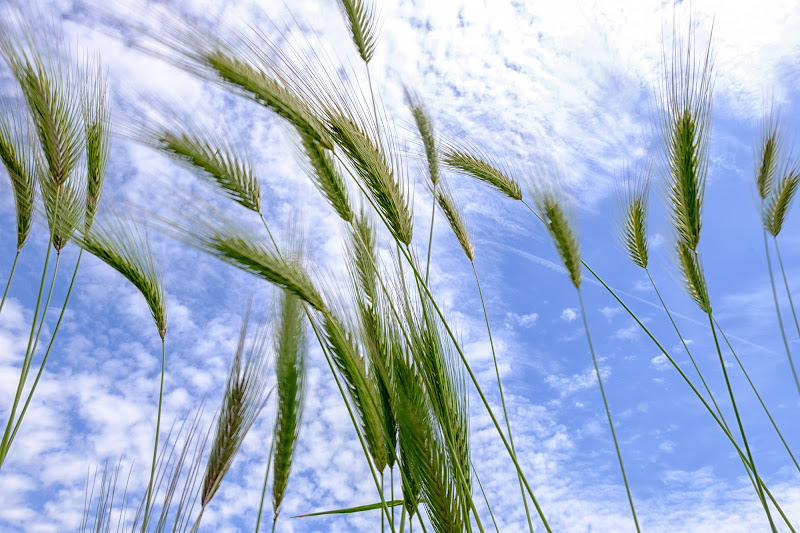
(389, 343)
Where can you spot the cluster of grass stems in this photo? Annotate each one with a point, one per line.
(392, 352)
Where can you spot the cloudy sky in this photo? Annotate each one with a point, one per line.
(571, 82)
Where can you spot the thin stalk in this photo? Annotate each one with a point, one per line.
(391, 493)
(608, 411)
(264, 490)
(719, 422)
(461, 354)
(760, 400)
(778, 307)
(4, 444)
(44, 314)
(485, 499)
(403, 519)
(788, 292)
(430, 237)
(739, 421)
(383, 525)
(502, 396)
(8, 283)
(686, 347)
(155, 444)
(49, 349)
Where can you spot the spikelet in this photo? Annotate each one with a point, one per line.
(362, 24)
(469, 161)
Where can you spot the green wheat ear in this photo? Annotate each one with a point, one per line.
(425, 128)
(373, 170)
(778, 203)
(290, 355)
(560, 228)
(471, 162)
(18, 157)
(326, 176)
(362, 23)
(769, 155)
(694, 280)
(444, 197)
(97, 123)
(246, 393)
(634, 200)
(123, 245)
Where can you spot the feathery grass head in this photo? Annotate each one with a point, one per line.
(470, 161)
(632, 226)
(324, 173)
(362, 24)
(360, 387)
(444, 197)
(685, 123)
(96, 122)
(769, 154)
(549, 204)
(694, 280)
(246, 392)
(425, 128)
(64, 206)
(19, 159)
(375, 173)
(219, 161)
(123, 245)
(290, 355)
(50, 88)
(777, 204)
(430, 478)
(230, 242)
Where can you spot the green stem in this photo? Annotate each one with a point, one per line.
(485, 499)
(788, 293)
(608, 411)
(4, 444)
(739, 420)
(719, 422)
(778, 307)
(8, 283)
(430, 236)
(264, 490)
(403, 519)
(502, 396)
(760, 400)
(49, 349)
(155, 443)
(44, 314)
(686, 347)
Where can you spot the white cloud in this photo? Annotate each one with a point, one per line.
(523, 321)
(610, 312)
(569, 314)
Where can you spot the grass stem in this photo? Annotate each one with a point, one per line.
(8, 283)
(155, 443)
(608, 411)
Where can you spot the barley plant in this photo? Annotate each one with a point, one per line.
(367, 385)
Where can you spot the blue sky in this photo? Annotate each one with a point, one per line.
(571, 81)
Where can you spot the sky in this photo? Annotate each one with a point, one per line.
(572, 83)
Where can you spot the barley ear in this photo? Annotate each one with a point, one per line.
(64, 206)
(374, 171)
(444, 197)
(123, 245)
(694, 280)
(425, 129)
(779, 202)
(685, 122)
(218, 161)
(471, 162)
(769, 154)
(326, 176)
(561, 231)
(362, 24)
(632, 225)
(246, 392)
(18, 157)
(290, 356)
(96, 122)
